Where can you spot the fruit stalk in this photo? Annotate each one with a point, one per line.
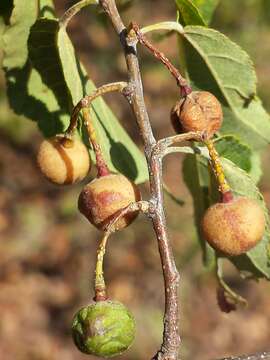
(181, 81)
(120, 86)
(224, 188)
(102, 167)
(100, 287)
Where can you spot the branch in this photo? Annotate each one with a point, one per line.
(171, 339)
(120, 86)
(181, 81)
(99, 284)
(162, 146)
(142, 206)
(258, 356)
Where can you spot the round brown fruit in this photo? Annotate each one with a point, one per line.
(100, 200)
(234, 227)
(63, 161)
(199, 111)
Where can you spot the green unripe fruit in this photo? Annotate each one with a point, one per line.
(104, 328)
(234, 227)
(103, 197)
(199, 111)
(63, 161)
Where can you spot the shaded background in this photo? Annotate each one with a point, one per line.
(47, 249)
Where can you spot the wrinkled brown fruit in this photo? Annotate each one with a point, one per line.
(234, 227)
(63, 161)
(199, 111)
(100, 200)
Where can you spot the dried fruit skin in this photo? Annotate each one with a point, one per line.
(104, 328)
(234, 227)
(63, 161)
(100, 200)
(199, 111)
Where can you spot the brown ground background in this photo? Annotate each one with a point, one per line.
(47, 250)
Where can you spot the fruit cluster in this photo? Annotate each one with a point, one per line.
(103, 328)
(232, 226)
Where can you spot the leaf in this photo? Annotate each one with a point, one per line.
(206, 8)
(16, 34)
(196, 12)
(256, 167)
(52, 55)
(189, 13)
(216, 64)
(231, 148)
(240, 154)
(27, 94)
(46, 9)
(197, 180)
(2, 29)
(5, 12)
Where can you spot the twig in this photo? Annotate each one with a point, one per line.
(99, 285)
(100, 162)
(120, 86)
(142, 206)
(162, 146)
(258, 356)
(181, 81)
(171, 340)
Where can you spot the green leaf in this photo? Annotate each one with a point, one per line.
(216, 64)
(197, 180)
(46, 9)
(16, 34)
(5, 13)
(189, 13)
(231, 148)
(30, 97)
(27, 94)
(206, 8)
(52, 55)
(2, 29)
(196, 12)
(23, 83)
(256, 167)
